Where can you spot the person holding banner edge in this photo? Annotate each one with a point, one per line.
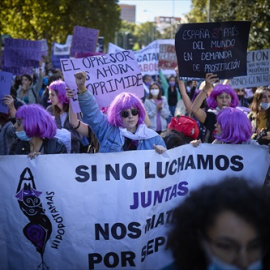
(123, 128)
(219, 97)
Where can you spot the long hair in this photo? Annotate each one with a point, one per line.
(218, 90)
(159, 94)
(122, 102)
(36, 121)
(59, 87)
(194, 216)
(235, 126)
(257, 99)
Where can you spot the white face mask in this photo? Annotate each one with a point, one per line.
(154, 92)
(22, 135)
(265, 105)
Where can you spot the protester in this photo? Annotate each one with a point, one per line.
(7, 133)
(222, 226)
(45, 101)
(172, 94)
(157, 108)
(241, 94)
(28, 92)
(123, 129)
(233, 127)
(260, 115)
(59, 109)
(92, 145)
(35, 129)
(220, 97)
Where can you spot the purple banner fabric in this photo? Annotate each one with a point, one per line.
(84, 40)
(22, 53)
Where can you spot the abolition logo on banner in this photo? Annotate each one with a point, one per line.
(107, 211)
(39, 228)
(218, 48)
(107, 75)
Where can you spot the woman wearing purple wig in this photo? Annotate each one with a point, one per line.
(35, 129)
(123, 128)
(59, 109)
(220, 97)
(233, 127)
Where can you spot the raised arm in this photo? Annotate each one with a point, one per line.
(200, 114)
(76, 123)
(8, 100)
(185, 97)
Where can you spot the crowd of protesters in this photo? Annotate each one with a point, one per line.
(173, 112)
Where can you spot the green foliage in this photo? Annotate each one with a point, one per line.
(242, 10)
(55, 19)
(125, 37)
(146, 33)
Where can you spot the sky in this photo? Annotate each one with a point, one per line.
(147, 10)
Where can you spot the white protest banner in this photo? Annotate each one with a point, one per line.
(107, 76)
(167, 57)
(147, 57)
(107, 211)
(5, 84)
(258, 68)
(61, 49)
(112, 48)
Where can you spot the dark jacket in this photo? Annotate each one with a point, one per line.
(49, 146)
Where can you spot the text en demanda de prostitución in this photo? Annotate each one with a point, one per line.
(107, 73)
(220, 49)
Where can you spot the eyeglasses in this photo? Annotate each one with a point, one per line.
(126, 114)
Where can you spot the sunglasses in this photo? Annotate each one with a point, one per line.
(125, 114)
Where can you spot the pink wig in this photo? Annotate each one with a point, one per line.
(218, 90)
(123, 102)
(59, 87)
(235, 126)
(36, 121)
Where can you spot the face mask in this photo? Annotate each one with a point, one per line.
(154, 92)
(22, 135)
(172, 83)
(217, 264)
(265, 105)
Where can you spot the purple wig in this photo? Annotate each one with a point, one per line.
(59, 87)
(123, 102)
(36, 121)
(218, 90)
(235, 126)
